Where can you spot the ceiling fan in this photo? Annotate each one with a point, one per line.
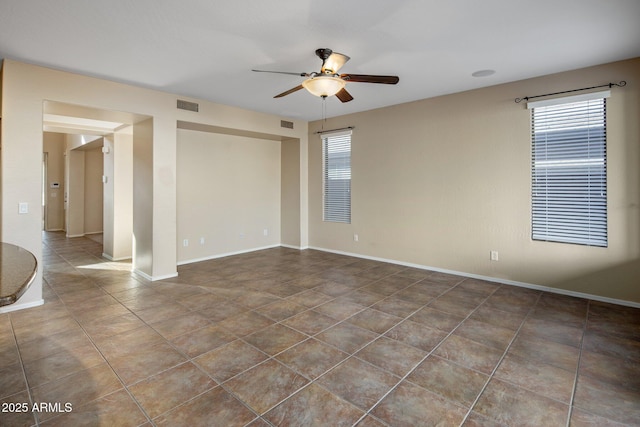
(328, 82)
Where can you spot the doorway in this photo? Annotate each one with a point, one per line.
(95, 183)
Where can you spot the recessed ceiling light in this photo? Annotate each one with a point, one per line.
(483, 73)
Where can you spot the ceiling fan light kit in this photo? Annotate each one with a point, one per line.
(331, 61)
(324, 86)
(328, 82)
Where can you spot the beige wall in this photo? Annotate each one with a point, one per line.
(83, 184)
(228, 193)
(93, 191)
(290, 193)
(54, 146)
(143, 200)
(27, 87)
(74, 185)
(21, 171)
(108, 166)
(443, 181)
(118, 195)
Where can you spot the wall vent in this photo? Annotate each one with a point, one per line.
(186, 105)
(286, 124)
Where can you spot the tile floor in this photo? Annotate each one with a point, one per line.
(283, 337)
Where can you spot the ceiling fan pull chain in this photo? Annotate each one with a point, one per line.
(324, 110)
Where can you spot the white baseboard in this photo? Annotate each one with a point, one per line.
(154, 278)
(16, 306)
(490, 279)
(89, 233)
(143, 275)
(226, 254)
(110, 258)
(300, 248)
(164, 277)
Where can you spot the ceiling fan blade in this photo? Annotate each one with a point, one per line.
(295, 89)
(333, 63)
(366, 78)
(344, 96)
(282, 72)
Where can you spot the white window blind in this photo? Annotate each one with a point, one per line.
(569, 170)
(336, 155)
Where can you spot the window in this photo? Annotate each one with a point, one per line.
(336, 158)
(569, 170)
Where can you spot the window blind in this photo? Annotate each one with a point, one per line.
(336, 154)
(569, 171)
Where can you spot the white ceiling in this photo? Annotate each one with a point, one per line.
(207, 48)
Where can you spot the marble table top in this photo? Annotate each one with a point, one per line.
(17, 269)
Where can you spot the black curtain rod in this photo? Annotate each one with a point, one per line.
(333, 130)
(609, 85)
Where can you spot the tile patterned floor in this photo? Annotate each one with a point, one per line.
(289, 338)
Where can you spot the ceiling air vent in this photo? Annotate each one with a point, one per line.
(286, 124)
(186, 105)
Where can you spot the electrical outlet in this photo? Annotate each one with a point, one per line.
(202, 240)
(355, 237)
(494, 255)
(23, 208)
(185, 242)
(266, 231)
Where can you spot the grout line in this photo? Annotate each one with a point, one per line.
(269, 357)
(24, 373)
(504, 354)
(309, 337)
(575, 381)
(90, 338)
(368, 412)
(71, 258)
(352, 354)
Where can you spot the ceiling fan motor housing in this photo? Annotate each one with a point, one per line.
(324, 54)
